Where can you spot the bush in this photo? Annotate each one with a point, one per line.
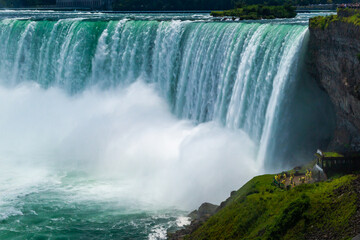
(322, 22)
(344, 15)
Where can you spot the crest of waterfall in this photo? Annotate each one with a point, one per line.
(235, 73)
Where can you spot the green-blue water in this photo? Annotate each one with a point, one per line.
(114, 126)
(57, 210)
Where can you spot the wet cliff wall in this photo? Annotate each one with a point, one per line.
(334, 60)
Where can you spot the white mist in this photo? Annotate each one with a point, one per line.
(126, 139)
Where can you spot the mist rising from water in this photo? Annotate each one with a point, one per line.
(126, 137)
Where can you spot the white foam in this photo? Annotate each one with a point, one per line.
(183, 221)
(158, 233)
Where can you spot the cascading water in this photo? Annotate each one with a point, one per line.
(232, 72)
(80, 93)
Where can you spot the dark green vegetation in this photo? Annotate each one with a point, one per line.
(322, 21)
(343, 15)
(258, 12)
(259, 210)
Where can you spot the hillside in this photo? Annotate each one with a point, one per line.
(260, 210)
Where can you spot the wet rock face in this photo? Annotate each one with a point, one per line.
(334, 60)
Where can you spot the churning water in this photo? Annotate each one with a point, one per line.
(113, 124)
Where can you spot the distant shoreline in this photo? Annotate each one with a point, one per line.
(100, 11)
(299, 9)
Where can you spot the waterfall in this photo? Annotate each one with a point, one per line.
(237, 74)
(118, 125)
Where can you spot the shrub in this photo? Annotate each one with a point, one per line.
(322, 22)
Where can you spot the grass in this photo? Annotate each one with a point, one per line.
(332, 154)
(259, 210)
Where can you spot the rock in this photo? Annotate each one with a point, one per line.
(193, 215)
(335, 63)
(205, 211)
(318, 174)
(198, 217)
(357, 237)
(180, 234)
(233, 193)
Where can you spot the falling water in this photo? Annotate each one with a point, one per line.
(122, 114)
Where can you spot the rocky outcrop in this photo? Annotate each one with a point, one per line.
(198, 217)
(335, 62)
(204, 212)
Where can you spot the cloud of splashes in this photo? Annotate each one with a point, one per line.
(123, 137)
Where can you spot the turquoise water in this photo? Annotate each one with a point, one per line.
(57, 210)
(114, 126)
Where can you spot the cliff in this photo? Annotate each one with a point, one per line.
(334, 50)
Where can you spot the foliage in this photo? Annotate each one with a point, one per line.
(258, 12)
(272, 213)
(347, 12)
(322, 22)
(343, 15)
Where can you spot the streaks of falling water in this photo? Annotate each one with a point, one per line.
(235, 73)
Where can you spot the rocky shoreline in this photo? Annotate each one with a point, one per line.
(198, 217)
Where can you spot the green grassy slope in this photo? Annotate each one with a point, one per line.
(260, 210)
